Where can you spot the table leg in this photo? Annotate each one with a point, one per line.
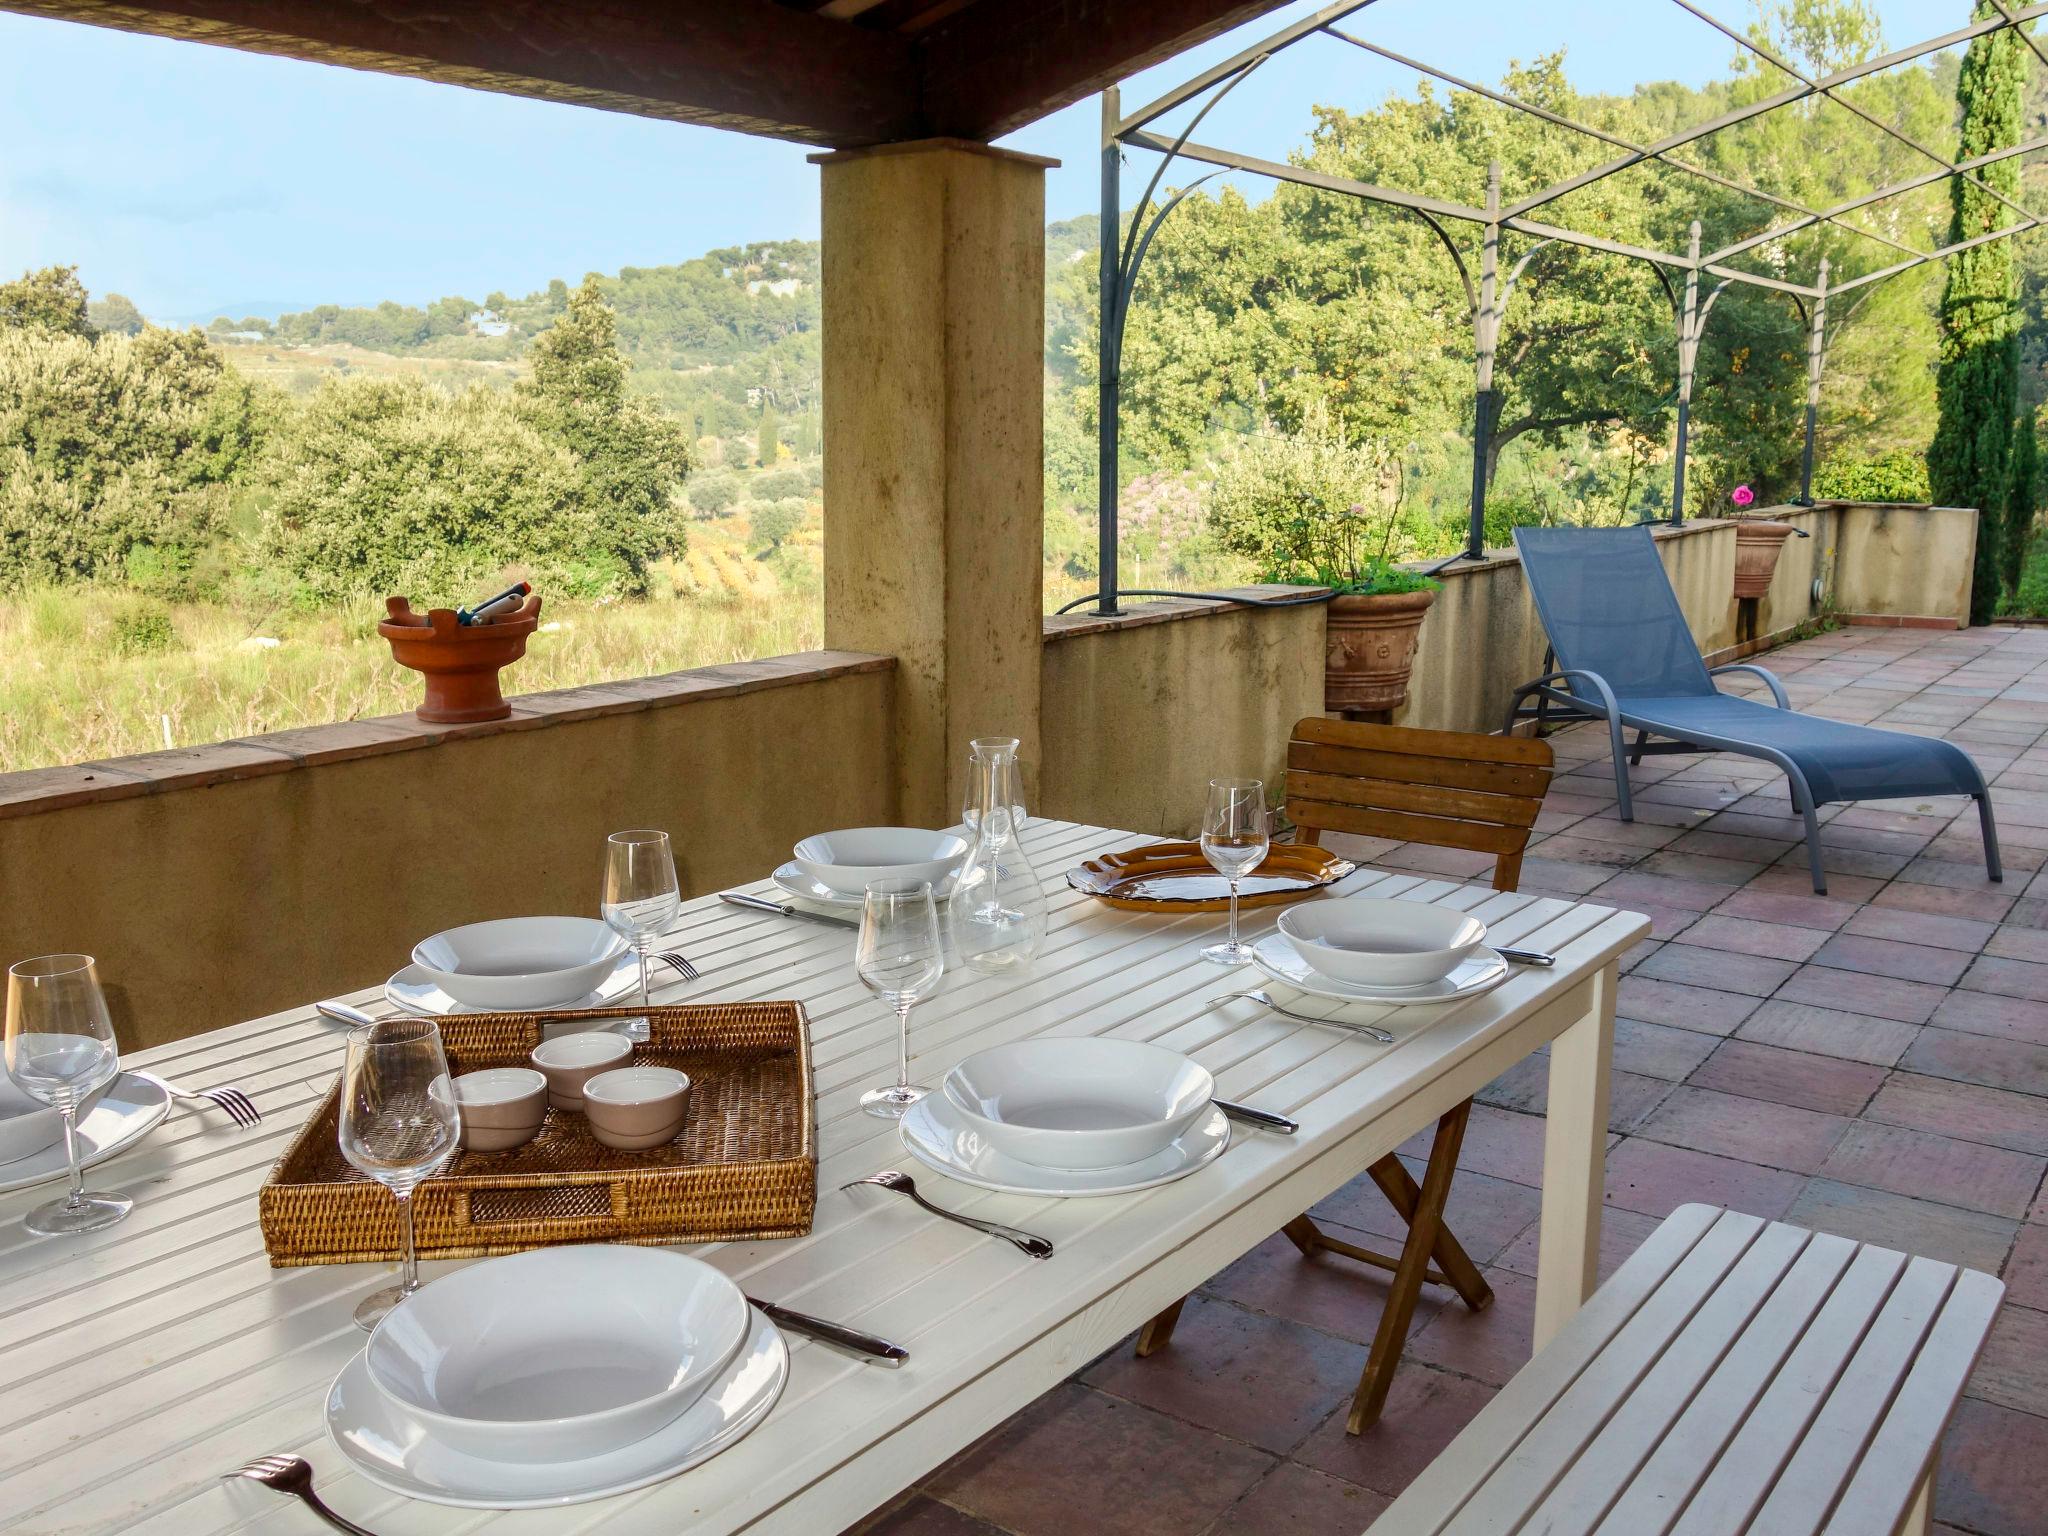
(1574, 1162)
(1920, 1518)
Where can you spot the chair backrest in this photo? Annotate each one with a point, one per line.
(1449, 789)
(1607, 606)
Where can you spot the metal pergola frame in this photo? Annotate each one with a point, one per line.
(1123, 251)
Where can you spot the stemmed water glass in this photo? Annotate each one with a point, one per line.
(398, 1125)
(900, 960)
(59, 1050)
(1235, 838)
(641, 897)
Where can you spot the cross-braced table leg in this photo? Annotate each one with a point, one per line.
(1574, 1162)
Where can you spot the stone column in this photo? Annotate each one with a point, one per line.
(934, 340)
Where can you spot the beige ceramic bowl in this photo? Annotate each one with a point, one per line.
(569, 1061)
(501, 1107)
(635, 1108)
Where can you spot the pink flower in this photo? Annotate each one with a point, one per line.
(1742, 496)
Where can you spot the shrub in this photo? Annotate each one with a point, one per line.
(774, 521)
(714, 493)
(141, 631)
(1896, 476)
(782, 485)
(2031, 599)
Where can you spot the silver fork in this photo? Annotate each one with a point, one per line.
(1371, 1030)
(240, 1108)
(293, 1475)
(690, 972)
(903, 1184)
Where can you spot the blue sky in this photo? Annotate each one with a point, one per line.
(192, 178)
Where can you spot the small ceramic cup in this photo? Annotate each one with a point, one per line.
(570, 1061)
(635, 1108)
(500, 1107)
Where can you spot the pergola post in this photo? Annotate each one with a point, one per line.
(1108, 357)
(934, 362)
(1486, 341)
(1813, 365)
(1688, 352)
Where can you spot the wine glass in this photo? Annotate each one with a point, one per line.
(398, 1125)
(641, 897)
(59, 1050)
(900, 960)
(1235, 837)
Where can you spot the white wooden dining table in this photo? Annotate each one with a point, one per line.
(140, 1363)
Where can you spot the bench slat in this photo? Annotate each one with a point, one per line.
(1891, 1470)
(1660, 1491)
(1576, 1425)
(1445, 1484)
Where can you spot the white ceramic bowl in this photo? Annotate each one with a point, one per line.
(28, 1125)
(631, 1109)
(572, 1060)
(520, 962)
(1085, 1103)
(847, 861)
(1372, 942)
(500, 1107)
(558, 1353)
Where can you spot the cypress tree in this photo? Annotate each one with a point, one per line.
(1977, 382)
(2022, 500)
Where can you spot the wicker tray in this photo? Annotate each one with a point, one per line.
(1174, 877)
(745, 1166)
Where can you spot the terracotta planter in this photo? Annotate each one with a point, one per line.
(1758, 544)
(1372, 649)
(459, 662)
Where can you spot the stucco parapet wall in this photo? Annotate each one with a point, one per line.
(1067, 626)
(39, 790)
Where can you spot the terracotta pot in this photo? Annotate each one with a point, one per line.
(460, 662)
(1372, 649)
(1758, 544)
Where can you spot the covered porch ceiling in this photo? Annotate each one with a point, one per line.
(839, 73)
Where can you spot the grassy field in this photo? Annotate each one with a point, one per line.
(89, 673)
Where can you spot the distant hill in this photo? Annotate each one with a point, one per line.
(240, 309)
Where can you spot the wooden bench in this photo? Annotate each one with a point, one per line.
(1734, 1375)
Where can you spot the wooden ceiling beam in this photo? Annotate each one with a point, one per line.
(748, 65)
(993, 67)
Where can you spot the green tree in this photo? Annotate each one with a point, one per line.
(52, 299)
(768, 438)
(773, 522)
(1977, 381)
(2023, 499)
(115, 315)
(714, 493)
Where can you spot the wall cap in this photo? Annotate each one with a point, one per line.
(34, 791)
(926, 146)
(1066, 626)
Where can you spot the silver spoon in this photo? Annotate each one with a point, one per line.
(903, 1184)
(293, 1475)
(1261, 998)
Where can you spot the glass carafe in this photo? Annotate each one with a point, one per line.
(997, 911)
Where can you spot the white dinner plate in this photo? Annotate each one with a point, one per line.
(792, 879)
(392, 1451)
(129, 1110)
(937, 1135)
(1480, 971)
(411, 989)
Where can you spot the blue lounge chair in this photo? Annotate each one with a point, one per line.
(1624, 655)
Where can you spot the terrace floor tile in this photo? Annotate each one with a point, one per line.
(1830, 1084)
(1929, 1166)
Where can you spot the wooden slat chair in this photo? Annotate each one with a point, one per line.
(1446, 789)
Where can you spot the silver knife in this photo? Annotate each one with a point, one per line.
(849, 1339)
(780, 909)
(1264, 1118)
(1525, 956)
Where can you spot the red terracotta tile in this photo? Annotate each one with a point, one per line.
(1994, 1470)
(1983, 1013)
(1986, 906)
(1829, 1032)
(1792, 878)
(920, 1516)
(2013, 1370)
(1969, 1111)
(1981, 1059)
(1655, 1179)
(1622, 1232)
(1497, 1142)
(1486, 1213)
(1329, 1292)
(1928, 1166)
(1739, 935)
(1555, 877)
(1294, 1500)
(1425, 1410)
(1630, 1096)
(1800, 1078)
(1697, 1008)
(1702, 867)
(1945, 1232)
(1882, 997)
(2018, 943)
(1790, 908)
(1626, 890)
(1960, 933)
(1754, 1130)
(1686, 963)
(1658, 1050)
(1066, 1466)
(1263, 1380)
(2007, 978)
(1569, 847)
(2026, 1270)
(1891, 958)
(1489, 1346)
(1640, 835)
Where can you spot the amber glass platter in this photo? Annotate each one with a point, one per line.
(1174, 877)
